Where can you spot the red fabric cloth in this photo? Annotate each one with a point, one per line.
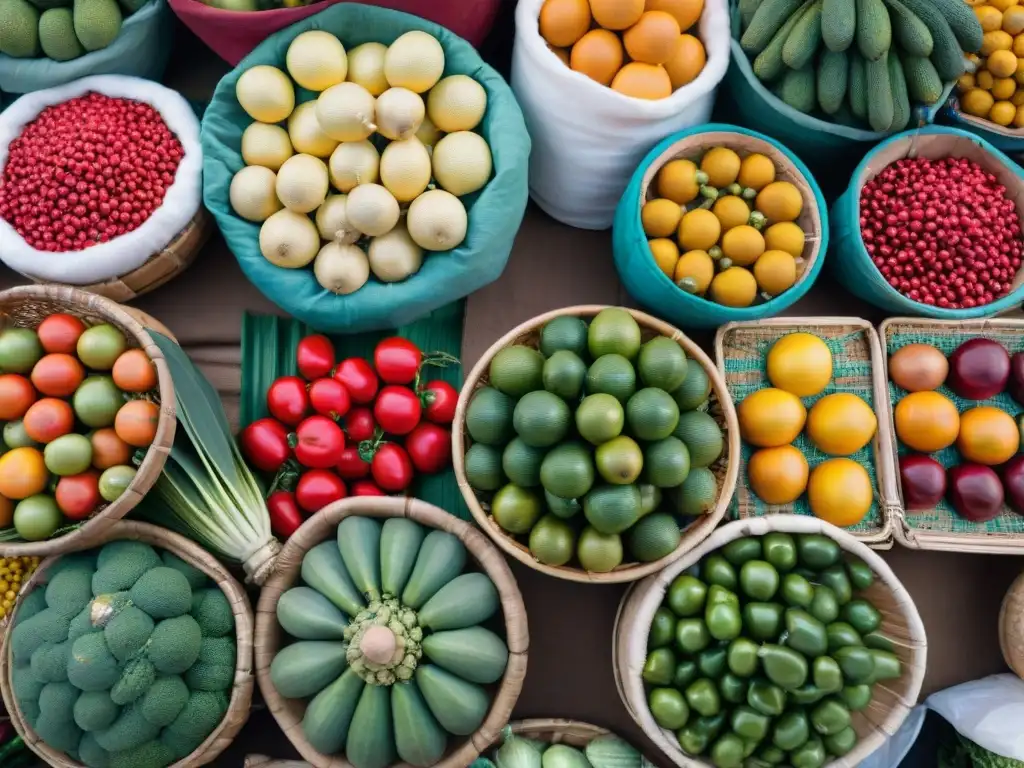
(233, 34)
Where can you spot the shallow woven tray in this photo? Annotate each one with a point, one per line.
(858, 368)
(725, 469)
(26, 306)
(242, 687)
(942, 528)
(322, 526)
(1011, 626)
(891, 701)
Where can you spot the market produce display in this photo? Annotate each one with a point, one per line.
(125, 657)
(766, 650)
(991, 90)
(521, 750)
(61, 30)
(644, 50)
(723, 226)
(368, 177)
(390, 643)
(596, 446)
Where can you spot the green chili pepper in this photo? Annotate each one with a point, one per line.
(727, 751)
(750, 724)
(860, 573)
(659, 667)
(887, 665)
(840, 744)
(692, 635)
(779, 550)
(857, 663)
(840, 634)
(668, 707)
(663, 629)
(830, 716)
(805, 633)
(739, 551)
(711, 725)
(827, 675)
(783, 666)
(862, 616)
(723, 620)
(771, 754)
(810, 754)
(791, 730)
(686, 595)
(703, 698)
(796, 590)
(763, 621)
(806, 694)
(742, 657)
(717, 570)
(733, 688)
(719, 595)
(879, 641)
(836, 579)
(712, 662)
(759, 580)
(856, 697)
(824, 607)
(766, 697)
(691, 740)
(817, 552)
(686, 672)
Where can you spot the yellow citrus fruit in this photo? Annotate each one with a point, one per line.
(785, 236)
(987, 435)
(563, 22)
(995, 41)
(770, 417)
(966, 81)
(616, 14)
(699, 230)
(1018, 120)
(686, 12)
(839, 492)
(1002, 5)
(775, 272)
(1002, 63)
(653, 38)
(732, 211)
(643, 81)
(799, 363)
(722, 165)
(977, 102)
(841, 424)
(1017, 99)
(742, 244)
(990, 18)
(687, 61)
(984, 79)
(1018, 46)
(779, 201)
(660, 217)
(733, 287)
(666, 254)
(1004, 88)
(757, 171)
(1019, 74)
(778, 475)
(694, 271)
(1002, 113)
(926, 421)
(677, 181)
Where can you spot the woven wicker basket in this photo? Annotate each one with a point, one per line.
(322, 526)
(858, 367)
(725, 469)
(942, 528)
(242, 688)
(901, 623)
(27, 306)
(1011, 626)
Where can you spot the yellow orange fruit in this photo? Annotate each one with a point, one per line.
(694, 272)
(561, 53)
(841, 424)
(988, 435)
(742, 244)
(1002, 113)
(977, 102)
(722, 165)
(756, 171)
(1002, 5)
(732, 211)
(1004, 88)
(733, 287)
(990, 18)
(642, 81)
(926, 421)
(666, 254)
(966, 81)
(1002, 63)
(779, 201)
(22, 473)
(775, 272)
(653, 38)
(677, 180)
(1018, 98)
(995, 41)
(1019, 74)
(984, 79)
(699, 230)
(799, 363)
(1018, 119)
(598, 55)
(785, 236)
(770, 417)
(660, 217)
(686, 62)
(686, 12)
(563, 22)
(1018, 46)
(616, 14)
(839, 491)
(778, 475)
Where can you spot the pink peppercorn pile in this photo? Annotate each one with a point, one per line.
(942, 232)
(86, 171)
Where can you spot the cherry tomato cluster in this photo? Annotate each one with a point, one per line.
(371, 425)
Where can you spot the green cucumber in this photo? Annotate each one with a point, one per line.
(465, 601)
(798, 89)
(963, 21)
(747, 10)
(460, 707)
(474, 653)
(833, 71)
(324, 570)
(769, 17)
(874, 29)
(610, 750)
(900, 99)
(305, 614)
(880, 106)
(301, 669)
(371, 735)
(329, 715)
(923, 83)
(910, 32)
(441, 558)
(359, 543)
(803, 41)
(400, 540)
(947, 56)
(838, 24)
(768, 64)
(857, 87)
(418, 737)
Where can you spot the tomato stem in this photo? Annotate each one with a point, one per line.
(368, 448)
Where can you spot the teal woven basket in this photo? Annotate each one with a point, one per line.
(646, 283)
(852, 264)
(494, 213)
(1009, 140)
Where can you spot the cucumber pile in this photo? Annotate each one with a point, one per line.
(388, 643)
(861, 63)
(607, 751)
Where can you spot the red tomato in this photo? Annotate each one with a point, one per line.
(16, 395)
(314, 357)
(358, 378)
(57, 374)
(397, 360)
(351, 465)
(397, 410)
(366, 488)
(391, 468)
(285, 517)
(318, 488)
(429, 447)
(60, 332)
(48, 419)
(287, 400)
(264, 444)
(440, 399)
(78, 496)
(359, 425)
(319, 442)
(329, 398)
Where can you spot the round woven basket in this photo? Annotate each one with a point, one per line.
(28, 305)
(1011, 626)
(901, 623)
(242, 687)
(322, 526)
(726, 469)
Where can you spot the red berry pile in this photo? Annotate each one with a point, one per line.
(942, 232)
(86, 171)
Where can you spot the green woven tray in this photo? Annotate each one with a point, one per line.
(740, 351)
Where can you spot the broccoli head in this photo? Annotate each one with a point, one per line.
(164, 700)
(92, 667)
(128, 632)
(120, 564)
(69, 591)
(196, 578)
(95, 711)
(91, 753)
(162, 592)
(211, 609)
(136, 679)
(175, 644)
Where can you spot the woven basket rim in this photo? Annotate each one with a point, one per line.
(1011, 626)
(693, 534)
(78, 302)
(322, 525)
(242, 687)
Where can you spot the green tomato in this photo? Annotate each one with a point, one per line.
(16, 437)
(115, 481)
(37, 517)
(19, 350)
(100, 346)
(68, 455)
(97, 401)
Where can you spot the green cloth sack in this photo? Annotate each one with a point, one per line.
(141, 49)
(495, 212)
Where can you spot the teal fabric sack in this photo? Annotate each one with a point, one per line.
(142, 49)
(494, 213)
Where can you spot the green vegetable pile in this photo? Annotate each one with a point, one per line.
(759, 657)
(126, 658)
(377, 604)
(599, 422)
(957, 751)
(607, 751)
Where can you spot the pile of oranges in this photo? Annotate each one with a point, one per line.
(640, 48)
(994, 90)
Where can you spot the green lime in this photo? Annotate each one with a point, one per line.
(483, 467)
(599, 418)
(650, 498)
(662, 364)
(521, 463)
(37, 517)
(567, 471)
(97, 401)
(68, 455)
(515, 509)
(100, 346)
(702, 436)
(564, 333)
(563, 508)
(613, 331)
(698, 494)
(564, 373)
(669, 708)
(654, 537)
(652, 414)
(516, 370)
(15, 435)
(115, 480)
(552, 541)
(599, 552)
(666, 462)
(541, 419)
(19, 350)
(489, 417)
(612, 508)
(620, 460)
(613, 375)
(695, 389)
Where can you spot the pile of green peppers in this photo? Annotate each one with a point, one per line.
(757, 656)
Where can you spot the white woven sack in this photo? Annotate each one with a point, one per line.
(589, 139)
(132, 249)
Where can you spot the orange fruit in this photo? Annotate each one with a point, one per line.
(926, 421)
(778, 475)
(770, 417)
(686, 12)
(841, 424)
(616, 14)
(699, 230)
(800, 363)
(563, 22)
(677, 180)
(598, 55)
(839, 492)
(22, 473)
(687, 61)
(561, 53)
(653, 38)
(987, 435)
(643, 81)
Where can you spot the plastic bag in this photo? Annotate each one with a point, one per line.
(587, 138)
(988, 711)
(141, 49)
(896, 747)
(131, 250)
